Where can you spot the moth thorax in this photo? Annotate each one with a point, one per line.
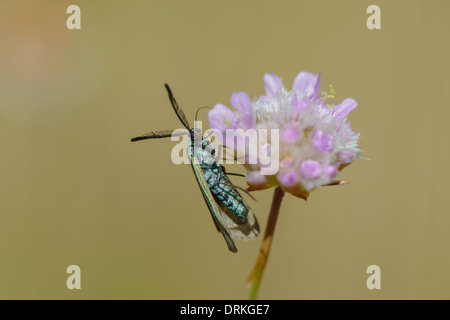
(196, 135)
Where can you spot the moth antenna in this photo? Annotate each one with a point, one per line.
(158, 134)
(196, 113)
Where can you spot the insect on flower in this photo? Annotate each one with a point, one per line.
(231, 216)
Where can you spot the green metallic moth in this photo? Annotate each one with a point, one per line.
(231, 216)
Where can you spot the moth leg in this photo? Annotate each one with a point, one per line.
(231, 173)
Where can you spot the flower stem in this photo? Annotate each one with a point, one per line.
(258, 269)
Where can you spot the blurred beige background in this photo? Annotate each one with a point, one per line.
(74, 190)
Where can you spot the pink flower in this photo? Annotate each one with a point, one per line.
(315, 140)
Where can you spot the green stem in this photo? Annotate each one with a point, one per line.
(258, 269)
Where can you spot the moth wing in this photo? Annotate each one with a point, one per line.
(212, 204)
(239, 229)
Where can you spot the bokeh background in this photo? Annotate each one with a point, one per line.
(74, 190)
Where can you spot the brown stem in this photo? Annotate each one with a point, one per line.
(258, 269)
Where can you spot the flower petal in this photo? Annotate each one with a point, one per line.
(322, 141)
(310, 169)
(242, 102)
(330, 171)
(272, 84)
(289, 179)
(317, 87)
(221, 117)
(346, 156)
(290, 135)
(345, 107)
(256, 180)
(308, 83)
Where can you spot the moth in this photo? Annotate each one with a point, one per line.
(231, 216)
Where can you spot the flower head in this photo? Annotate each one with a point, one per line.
(315, 139)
